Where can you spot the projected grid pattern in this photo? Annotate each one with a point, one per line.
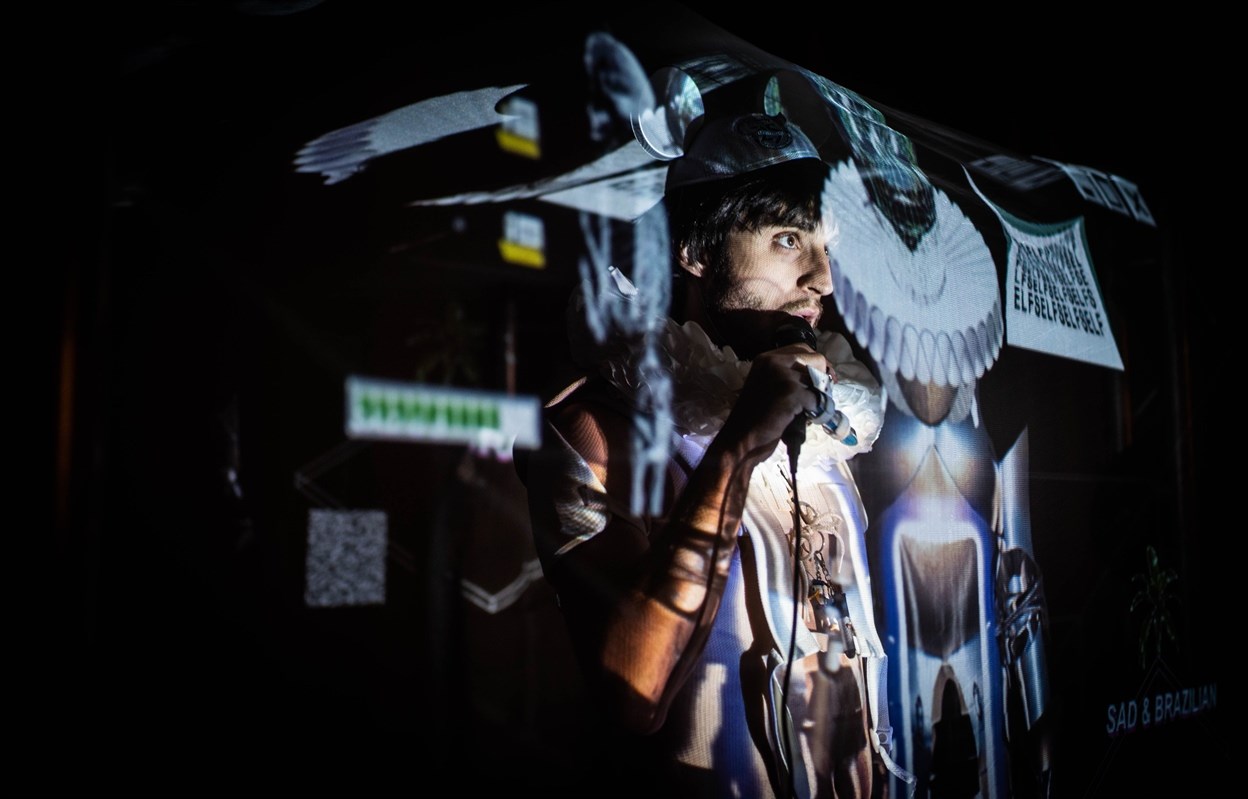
(346, 559)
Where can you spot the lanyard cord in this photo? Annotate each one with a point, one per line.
(797, 599)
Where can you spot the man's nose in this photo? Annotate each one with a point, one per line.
(817, 273)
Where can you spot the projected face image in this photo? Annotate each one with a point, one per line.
(775, 268)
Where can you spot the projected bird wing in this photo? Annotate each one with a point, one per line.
(622, 184)
(341, 153)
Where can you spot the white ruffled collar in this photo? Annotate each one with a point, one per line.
(706, 380)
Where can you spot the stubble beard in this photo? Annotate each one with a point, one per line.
(746, 320)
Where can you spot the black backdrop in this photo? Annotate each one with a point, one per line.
(205, 304)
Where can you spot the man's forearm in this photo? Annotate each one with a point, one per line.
(660, 630)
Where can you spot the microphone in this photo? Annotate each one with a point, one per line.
(795, 331)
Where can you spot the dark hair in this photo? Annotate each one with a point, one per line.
(701, 215)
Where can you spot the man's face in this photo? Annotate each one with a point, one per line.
(768, 275)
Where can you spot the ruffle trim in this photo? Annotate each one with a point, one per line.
(707, 378)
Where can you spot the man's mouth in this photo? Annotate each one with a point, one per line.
(806, 312)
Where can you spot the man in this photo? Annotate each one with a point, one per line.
(684, 621)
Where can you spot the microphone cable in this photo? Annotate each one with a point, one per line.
(797, 600)
(796, 331)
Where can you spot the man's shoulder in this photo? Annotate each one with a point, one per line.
(589, 417)
(592, 397)
(586, 415)
(591, 390)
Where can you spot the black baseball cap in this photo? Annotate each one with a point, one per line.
(730, 145)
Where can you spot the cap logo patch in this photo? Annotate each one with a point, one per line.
(766, 131)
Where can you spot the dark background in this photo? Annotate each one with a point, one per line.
(206, 301)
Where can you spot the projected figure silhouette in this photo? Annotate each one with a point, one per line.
(917, 286)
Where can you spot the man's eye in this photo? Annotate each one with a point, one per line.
(787, 240)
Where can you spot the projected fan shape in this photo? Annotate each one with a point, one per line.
(931, 313)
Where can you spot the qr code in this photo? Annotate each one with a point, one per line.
(346, 562)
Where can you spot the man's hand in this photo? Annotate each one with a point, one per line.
(776, 390)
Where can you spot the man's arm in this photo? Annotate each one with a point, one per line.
(640, 596)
